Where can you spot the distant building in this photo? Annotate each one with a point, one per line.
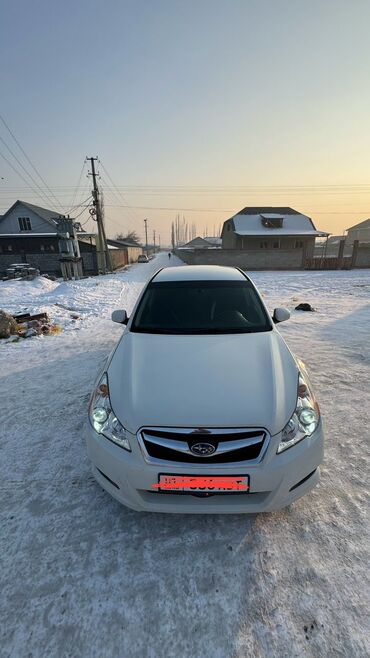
(270, 228)
(360, 232)
(330, 246)
(132, 250)
(202, 243)
(214, 241)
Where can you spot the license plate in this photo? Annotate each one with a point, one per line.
(209, 483)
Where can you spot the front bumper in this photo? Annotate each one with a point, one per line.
(273, 481)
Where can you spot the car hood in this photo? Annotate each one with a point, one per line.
(234, 380)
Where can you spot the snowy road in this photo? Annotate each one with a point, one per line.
(83, 576)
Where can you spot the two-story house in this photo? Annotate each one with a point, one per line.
(283, 237)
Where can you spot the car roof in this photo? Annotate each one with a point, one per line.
(199, 273)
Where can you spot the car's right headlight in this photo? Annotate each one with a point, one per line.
(102, 417)
(306, 416)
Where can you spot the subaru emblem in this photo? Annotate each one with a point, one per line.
(202, 449)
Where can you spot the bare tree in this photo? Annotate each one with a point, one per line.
(173, 235)
(131, 236)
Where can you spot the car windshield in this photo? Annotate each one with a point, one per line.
(200, 307)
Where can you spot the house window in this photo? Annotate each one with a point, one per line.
(272, 222)
(298, 244)
(24, 224)
(276, 244)
(263, 244)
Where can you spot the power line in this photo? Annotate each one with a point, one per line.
(130, 214)
(318, 210)
(118, 198)
(365, 186)
(80, 204)
(22, 177)
(44, 195)
(78, 183)
(213, 188)
(120, 225)
(28, 159)
(225, 210)
(84, 189)
(80, 213)
(116, 188)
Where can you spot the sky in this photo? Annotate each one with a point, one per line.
(194, 107)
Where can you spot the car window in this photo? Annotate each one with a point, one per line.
(197, 307)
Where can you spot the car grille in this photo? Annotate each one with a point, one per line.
(175, 445)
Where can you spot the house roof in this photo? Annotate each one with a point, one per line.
(364, 224)
(249, 221)
(48, 215)
(213, 240)
(196, 242)
(202, 243)
(261, 210)
(122, 243)
(26, 235)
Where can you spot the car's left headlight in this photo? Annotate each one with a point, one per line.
(102, 417)
(306, 416)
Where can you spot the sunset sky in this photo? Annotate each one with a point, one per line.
(197, 107)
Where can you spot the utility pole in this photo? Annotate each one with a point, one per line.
(159, 240)
(146, 235)
(154, 239)
(104, 264)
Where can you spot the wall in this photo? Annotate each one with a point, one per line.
(363, 255)
(228, 236)
(10, 223)
(118, 257)
(43, 253)
(283, 242)
(28, 245)
(263, 259)
(360, 234)
(46, 263)
(328, 263)
(133, 254)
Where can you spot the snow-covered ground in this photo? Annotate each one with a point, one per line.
(84, 576)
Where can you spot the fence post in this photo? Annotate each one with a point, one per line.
(354, 253)
(340, 254)
(304, 255)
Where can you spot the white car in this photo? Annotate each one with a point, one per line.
(201, 407)
(143, 258)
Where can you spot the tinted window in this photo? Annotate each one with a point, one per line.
(200, 307)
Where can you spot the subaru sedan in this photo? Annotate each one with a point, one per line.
(202, 407)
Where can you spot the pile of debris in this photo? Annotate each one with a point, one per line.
(26, 325)
(21, 271)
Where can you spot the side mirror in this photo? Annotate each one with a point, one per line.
(120, 316)
(280, 315)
